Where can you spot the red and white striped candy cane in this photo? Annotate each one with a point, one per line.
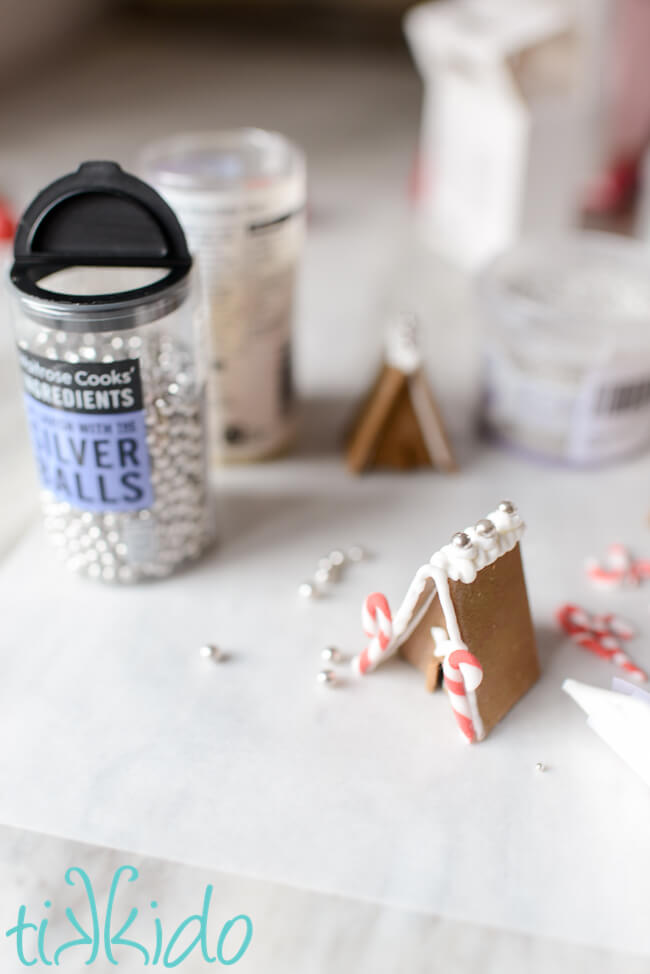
(600, 634)
(378, 626)
(619, 568)
(621, 564)
(616, 625)
(463, 674)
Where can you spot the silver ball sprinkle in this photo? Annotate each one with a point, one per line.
(461, 540)
(208, 651)
(331, 655)
(540, 766)
(356, 552)
(485, 527)
(306, 590)
(507, 507)
(322, 576)
(336, 557)
(132, 545)
(327, 678)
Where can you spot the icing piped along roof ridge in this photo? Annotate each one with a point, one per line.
(463, 562)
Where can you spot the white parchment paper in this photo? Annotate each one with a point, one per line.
(113, 730)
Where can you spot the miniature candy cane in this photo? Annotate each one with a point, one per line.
(616, 625)
(619, 569)
(463, 674)
(378, 626)
(600, 634)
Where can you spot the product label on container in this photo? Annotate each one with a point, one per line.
(612, 414)
(88, 432)
(604, 416)
(247, 259)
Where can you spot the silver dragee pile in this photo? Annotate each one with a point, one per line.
(152, 542)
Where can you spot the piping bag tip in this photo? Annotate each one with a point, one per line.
(587, 697)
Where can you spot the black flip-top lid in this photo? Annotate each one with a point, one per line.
(98, 216)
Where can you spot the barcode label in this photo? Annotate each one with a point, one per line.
(619, 398)
(611, 417)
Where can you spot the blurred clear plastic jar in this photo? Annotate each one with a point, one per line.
(240, 196)
(567, 347)
(113, 375)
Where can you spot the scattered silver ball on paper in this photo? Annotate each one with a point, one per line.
(323, 575)
(330, 569)
(332, 655)
(306, 590)
(327, 678)
(336, 557)
(209, 651)
(356, 552)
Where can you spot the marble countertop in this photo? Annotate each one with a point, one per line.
(293, 929)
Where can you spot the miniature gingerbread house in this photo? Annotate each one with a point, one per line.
(465, 615)
(399, 425)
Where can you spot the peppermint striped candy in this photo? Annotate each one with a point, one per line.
(619, 568)
(463, 674)
(378, 626)
(600, 634)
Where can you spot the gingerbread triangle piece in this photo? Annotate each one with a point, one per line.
(399, 426)
(466, 617)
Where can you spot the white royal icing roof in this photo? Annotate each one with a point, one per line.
(402, 345)
(458, 564)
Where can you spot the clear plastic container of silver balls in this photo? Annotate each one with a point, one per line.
(567, 347)
(114, 380)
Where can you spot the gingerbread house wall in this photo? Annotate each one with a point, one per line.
(496, 626)
(386, 432)
(401, 445)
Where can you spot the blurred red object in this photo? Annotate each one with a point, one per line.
(615, 190)
(419, 181)
(7, 222)
(627, 83)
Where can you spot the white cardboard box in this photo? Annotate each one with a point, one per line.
(511, 104)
